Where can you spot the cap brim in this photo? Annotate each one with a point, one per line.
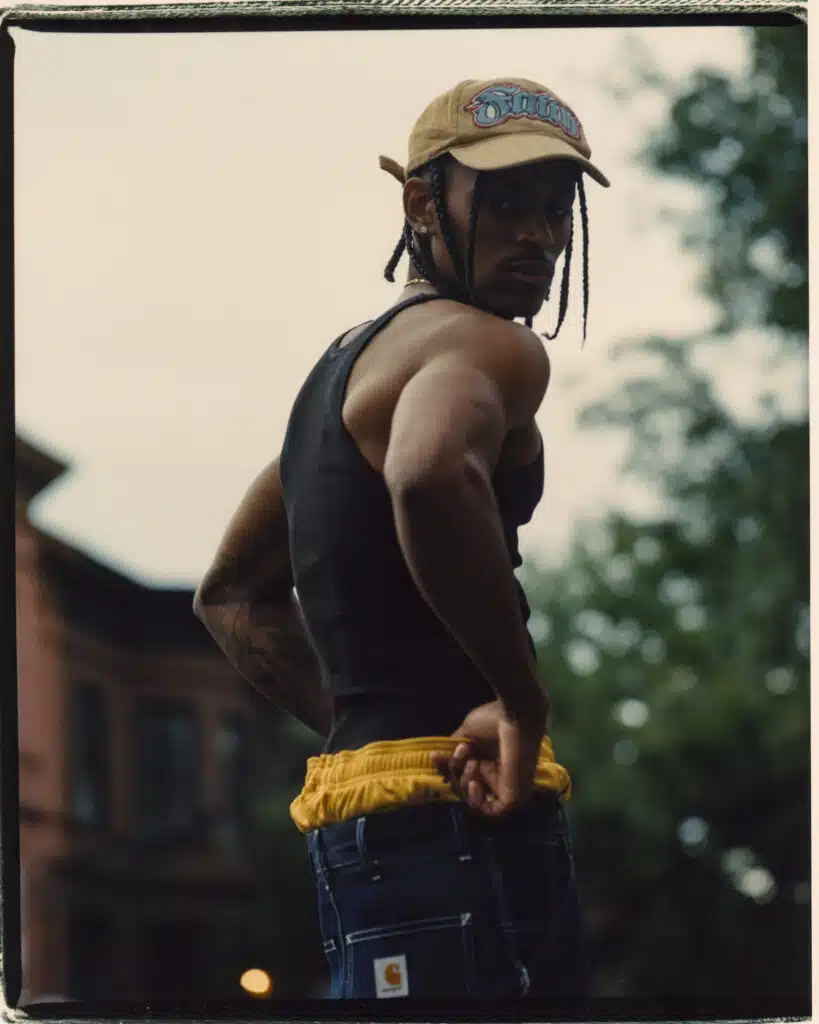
(521, 148)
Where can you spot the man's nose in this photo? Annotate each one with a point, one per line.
(535, 228)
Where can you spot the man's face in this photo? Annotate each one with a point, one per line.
(523, 227)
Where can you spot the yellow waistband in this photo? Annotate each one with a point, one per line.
(391, 773)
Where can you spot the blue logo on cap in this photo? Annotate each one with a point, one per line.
(497, 103)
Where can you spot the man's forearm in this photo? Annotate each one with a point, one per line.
(268, 645)
(451, 536)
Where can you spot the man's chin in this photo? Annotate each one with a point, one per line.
(521, 307)
(534, 309)
(516, 307)
(527, 310)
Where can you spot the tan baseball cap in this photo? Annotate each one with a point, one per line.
(496, 123)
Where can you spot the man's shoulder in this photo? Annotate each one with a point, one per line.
(491, 342)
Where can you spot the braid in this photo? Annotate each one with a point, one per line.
(564, 285)
(419, 257)
(389, 270)
(418, 253)
(436, 169)
(584, 218)
(469, 265)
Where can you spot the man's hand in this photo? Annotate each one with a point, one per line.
(493, 768)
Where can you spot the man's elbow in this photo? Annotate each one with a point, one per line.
(207, 612)
(215, 588)
(204, 600)
(199, 605)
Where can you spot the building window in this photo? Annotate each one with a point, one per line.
(167, 771)
(234, 779)
(90, 756)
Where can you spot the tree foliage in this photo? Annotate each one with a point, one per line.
(677, 648)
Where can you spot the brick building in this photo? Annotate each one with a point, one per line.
(140, 751)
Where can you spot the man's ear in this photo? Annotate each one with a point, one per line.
(419, 206)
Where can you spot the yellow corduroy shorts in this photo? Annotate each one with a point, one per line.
(393, 773)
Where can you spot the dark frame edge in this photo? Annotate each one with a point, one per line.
(10, 905)
(83, 16)
(31, 16)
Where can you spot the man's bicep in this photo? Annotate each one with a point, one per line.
(465, 401)
(449, 410)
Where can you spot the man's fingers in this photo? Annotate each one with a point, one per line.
(467, 785)
(461, 771)
(488, 785)
(453, 762)
(509, 774)
(475, 794)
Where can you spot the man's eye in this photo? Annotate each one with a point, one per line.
(560, 210)
(503, 204)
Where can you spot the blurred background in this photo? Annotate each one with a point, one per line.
(198, 217)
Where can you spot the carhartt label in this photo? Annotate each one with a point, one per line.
(391, 977)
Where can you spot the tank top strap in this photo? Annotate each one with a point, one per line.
(343, 360)
(355, 348)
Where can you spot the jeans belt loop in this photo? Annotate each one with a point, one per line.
(370, 863)
(316, 840)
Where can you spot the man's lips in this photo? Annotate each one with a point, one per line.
(534, 268)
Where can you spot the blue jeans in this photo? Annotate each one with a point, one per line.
(435, 901)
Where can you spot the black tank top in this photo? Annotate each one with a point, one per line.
(391, 666)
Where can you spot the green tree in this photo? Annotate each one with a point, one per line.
(678, 647)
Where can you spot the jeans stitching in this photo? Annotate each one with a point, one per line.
(560, 912)
(426, 925)
(506, 926)
(462, 922)
(324, 876)
(468, 944)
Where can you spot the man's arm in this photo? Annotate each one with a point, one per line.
(246, 602)
(448, 429)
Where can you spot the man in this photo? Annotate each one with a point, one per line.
(412, 457)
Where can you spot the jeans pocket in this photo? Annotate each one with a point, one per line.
(432, 957)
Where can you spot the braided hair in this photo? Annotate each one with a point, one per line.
(421, 256)
(563, 303)
(419, 250)
(584, 220)
(469, 265)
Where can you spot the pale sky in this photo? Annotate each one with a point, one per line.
(199, 215)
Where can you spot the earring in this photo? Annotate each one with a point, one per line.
(422, 230)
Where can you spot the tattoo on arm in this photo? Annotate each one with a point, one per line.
(231, 579)
(264, 638)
